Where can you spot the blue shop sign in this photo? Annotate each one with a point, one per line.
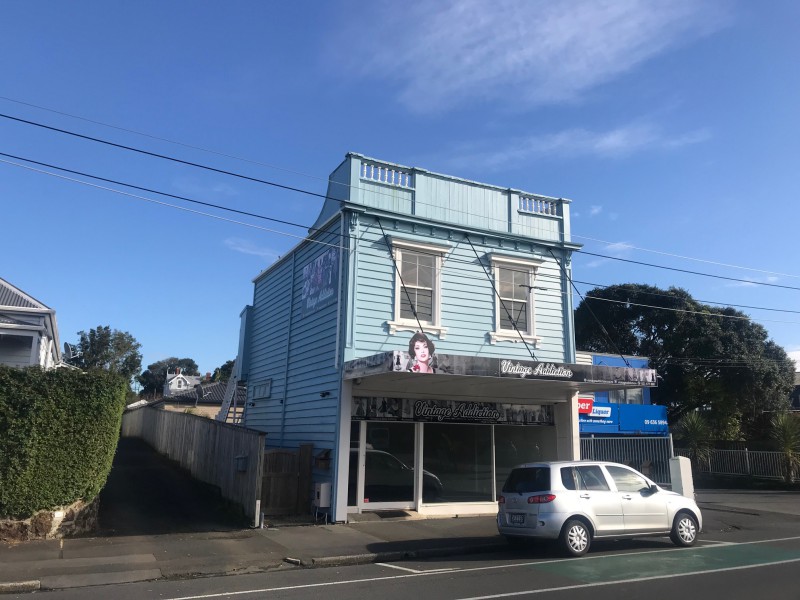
(625, 419)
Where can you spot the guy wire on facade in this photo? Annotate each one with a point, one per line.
(589, 308)
(399, 274)
(503, 304)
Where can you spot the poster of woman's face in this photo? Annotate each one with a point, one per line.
(420, 353)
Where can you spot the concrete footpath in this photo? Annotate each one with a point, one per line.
(81, 562)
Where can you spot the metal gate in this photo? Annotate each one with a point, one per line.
(650, 455)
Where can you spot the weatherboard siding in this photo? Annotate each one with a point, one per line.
(296, 351)
(468, 305)
(457, 202)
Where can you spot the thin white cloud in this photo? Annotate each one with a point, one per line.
(196, 189)
(616, 250)
(595, 210)
(525, 52)
(571, 143)
(752, 281)
(248, 247)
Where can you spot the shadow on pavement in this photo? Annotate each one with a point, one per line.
(148, 494)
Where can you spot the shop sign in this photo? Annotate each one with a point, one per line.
(320, 282)
(422, 359)
(449, 411)
(508, 367)
(585, 405)
(600, 412)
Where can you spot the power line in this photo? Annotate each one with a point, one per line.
(169, 141)
(256, 215)
(636, 262)
(152, 191)
(684, 310)
(696, 361)
(589, 308)
(165, 157)
(300, 190)
(502, 303)
(600, 285)
(151, 200)
(682, 257)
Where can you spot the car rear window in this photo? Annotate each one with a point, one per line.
(525, 480)
(584, 477)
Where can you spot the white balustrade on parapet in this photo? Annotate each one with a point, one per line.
(384, 174)
(538, 206)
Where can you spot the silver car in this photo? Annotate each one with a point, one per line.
(577, 501)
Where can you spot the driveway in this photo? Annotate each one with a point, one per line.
(148, 494)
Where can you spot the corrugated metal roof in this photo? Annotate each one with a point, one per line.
(15, 297)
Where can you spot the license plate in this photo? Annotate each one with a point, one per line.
(517, 518)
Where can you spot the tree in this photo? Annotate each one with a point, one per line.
(153, 379)
(223, 373)
(706, 357)
(786, 435)
(109, 349)
(694, 434)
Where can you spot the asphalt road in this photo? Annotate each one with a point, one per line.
(741, 556)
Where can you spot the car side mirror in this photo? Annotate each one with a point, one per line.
(653, 488)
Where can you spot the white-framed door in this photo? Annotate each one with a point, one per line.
(382, 466)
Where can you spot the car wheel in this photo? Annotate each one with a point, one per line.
(575, 538)
(684, 530)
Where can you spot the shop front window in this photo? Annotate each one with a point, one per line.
(388, 463)
(514, 446)
(459, 457)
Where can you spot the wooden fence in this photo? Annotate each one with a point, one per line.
(230, 457)
(287, 481)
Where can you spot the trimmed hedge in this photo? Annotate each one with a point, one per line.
(58, 433)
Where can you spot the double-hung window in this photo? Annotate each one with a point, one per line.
(418, 287)
(514, 299)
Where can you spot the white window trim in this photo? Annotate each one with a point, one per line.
(400, 324)
(507, 335)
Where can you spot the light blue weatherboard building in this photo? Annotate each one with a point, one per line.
(421, 336)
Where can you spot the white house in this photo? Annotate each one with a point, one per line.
(28, 330)
(177, 383)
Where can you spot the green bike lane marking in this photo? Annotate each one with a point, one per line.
(660, 564)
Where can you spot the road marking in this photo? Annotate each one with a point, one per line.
(633, 580)
(416, 570)
(573, 561)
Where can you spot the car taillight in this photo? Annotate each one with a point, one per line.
(542, 499)
(501, 499)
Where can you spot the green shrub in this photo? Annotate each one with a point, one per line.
(58, 433)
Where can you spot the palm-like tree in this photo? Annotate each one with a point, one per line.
(694, 434)
(786, 434)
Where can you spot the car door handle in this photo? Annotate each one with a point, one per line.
(627, 497)
(586, 496)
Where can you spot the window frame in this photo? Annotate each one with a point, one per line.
(518, 264)
(398, 323)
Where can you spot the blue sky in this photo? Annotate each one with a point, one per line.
(672, 126)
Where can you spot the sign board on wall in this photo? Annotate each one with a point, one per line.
(320, 281)
(451, 364)
(449, 411)
(625, 419)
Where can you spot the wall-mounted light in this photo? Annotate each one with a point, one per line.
(324, 394)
